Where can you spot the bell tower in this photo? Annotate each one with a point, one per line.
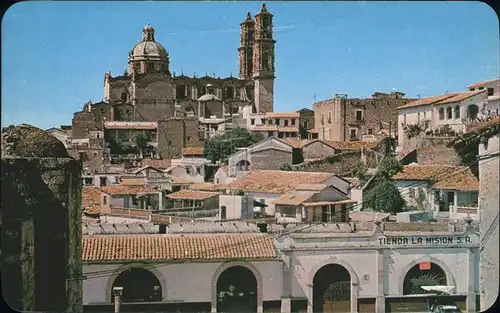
(263, 61)
(245, 51)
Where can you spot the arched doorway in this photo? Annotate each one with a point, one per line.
(237, 290)
(139, 285)
(472, 111)
(243, 165)
(332, 289)
(419, 276)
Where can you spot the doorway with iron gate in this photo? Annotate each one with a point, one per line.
(332, 289)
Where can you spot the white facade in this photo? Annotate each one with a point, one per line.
(492, 103)
(234, 207)
(101, 179)
(413, 115)
(377, 263)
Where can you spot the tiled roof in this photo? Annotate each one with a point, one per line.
(480, 84)
(145, 168)
(277, 181)
(133, 181)
(192, 151)
(294, 198)
(128, 190)
(321, 203)
(426, 101)
(311, 187)
(91, 200)
(282, 115)
(460, 96)
(423, 172)
(444, 177)
(349, 145)
(192, 195)
(100, 248)
(294, 142)
(204, 187)
(181, 181)
(461, 179)
(171, 167)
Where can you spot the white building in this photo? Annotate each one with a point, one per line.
(268, 185)
(444, 191)
(309, 268)
(437, 113)
(491, 105)
(63, 135)
(274, 124)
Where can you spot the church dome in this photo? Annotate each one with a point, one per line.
(148, 47)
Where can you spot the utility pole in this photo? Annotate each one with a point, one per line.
(117, 292)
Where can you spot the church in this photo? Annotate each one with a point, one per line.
(180, 109)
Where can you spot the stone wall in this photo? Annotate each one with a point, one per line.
(317, 150)
(433, 155)
(270, 159)
(171, 138)
(41, 204)
(340, 164)
(264, 95)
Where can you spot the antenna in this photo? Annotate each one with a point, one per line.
(314, 98)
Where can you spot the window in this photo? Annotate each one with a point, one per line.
(217, 181)
(88, 181)
(481, 88)
(102, 181)
(370, 131)
(457, 111)
(180, 91)
(490, 91)
(198, 170)
(223, 212)
(229, 92)
(329, 117)
(270, 122)
(418, 117)
(286, 122)
(294, 135)
(105, 200)
(359, 115)
(270, 134)
(292, 121)
(322, 118)
(278, 121)
(353, 133)
(441, 113)
(135, 201)
(263, 201)
(424, 114)
(412, 193)
(449, 114)
(252, 121)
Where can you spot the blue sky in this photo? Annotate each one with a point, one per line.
(55, 54)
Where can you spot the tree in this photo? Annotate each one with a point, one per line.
(222, 146)
(388, 167)
(361, 172)
(141, 140)
(385, 197)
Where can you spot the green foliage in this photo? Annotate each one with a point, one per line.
(361, 172)
(114, 146)
(142, 139)
(421, 197)
(413, 130)
(286, 167)
(426, 279)
(389, 167)
(385, 197)
(221, 147)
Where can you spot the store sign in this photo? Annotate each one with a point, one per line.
(425, 240)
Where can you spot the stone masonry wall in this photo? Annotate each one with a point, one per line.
(489, 198)
(41, 202)
(317, 150)
(171, 134)
(270, 159)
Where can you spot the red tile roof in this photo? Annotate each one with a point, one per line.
(192, 195)
(128, 190)
(444, 177)
(101, 248)
(282, 115)
(192, 151)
